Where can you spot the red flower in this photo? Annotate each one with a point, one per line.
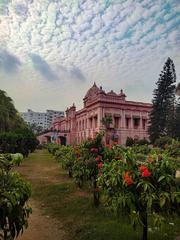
(142, 168)
(98, 158)
(146, 173)
(128, 179)
(126, 175)
(100, 165)
(94, 150)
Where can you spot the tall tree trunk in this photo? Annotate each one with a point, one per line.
(96, 194)
(145, 225)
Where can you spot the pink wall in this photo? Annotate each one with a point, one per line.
(130, 119)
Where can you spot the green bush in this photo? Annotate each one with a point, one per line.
(14, 193)
(130, 142)
(17, 158)
(20, 141)
(142, 142)
(163, 142)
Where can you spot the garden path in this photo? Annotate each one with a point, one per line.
(39, 169)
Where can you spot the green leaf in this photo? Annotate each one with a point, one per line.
(162, 201)
(161, 178)
(145, 187)
(149, 203)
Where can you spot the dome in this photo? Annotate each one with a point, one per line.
(92, 91)
(112, 93)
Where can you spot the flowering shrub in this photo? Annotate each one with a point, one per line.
(138, 179)
(128, 179)
(92, 152)
(141, 188)
(66, 157)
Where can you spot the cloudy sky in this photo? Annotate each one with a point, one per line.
(51, 51)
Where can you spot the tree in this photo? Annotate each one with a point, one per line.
(106, 121)
(178, 89)
(36, 128)
(9, 117)
(176, 125)
(162, 113)
(143, 189)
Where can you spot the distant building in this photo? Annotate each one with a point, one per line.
(41, 119)
(129, 119)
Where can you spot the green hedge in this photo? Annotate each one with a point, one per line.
(21, 141)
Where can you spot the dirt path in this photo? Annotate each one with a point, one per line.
(40, 168)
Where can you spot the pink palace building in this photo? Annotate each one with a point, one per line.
(129, 119)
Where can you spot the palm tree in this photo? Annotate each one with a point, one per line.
(106, 121)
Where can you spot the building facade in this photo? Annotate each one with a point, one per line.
(129, 118)
(41, 119)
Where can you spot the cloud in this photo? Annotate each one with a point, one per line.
(9, 62)
(113, 42)
(76, 73)
(4, 7)
(21, 9)
(43, 67)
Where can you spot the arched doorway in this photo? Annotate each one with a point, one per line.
(48, 139)
(63, 140)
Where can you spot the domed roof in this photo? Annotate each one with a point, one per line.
(112, 93)
(92, 91)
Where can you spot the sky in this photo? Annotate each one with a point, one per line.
(52, 51)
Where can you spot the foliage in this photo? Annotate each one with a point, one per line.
(17, 158)
(36, 129)
(162, 114)
(176, 124)
(173, 150)
(52, 147)
(21, 141)
(66, 156)
(129, 142)
(15, 136)
(163, 142)
(142, 142)
(9, 117)
(68, 204)
(83, 162)
(178, 89)
(143, 189)
(138, 180)
(106, 121)
(14, 193)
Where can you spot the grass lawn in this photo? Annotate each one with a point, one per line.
(60, 198)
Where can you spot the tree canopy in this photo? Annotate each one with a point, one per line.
(9, 116)
(163, 113)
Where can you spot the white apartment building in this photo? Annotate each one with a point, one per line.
(41, 119)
